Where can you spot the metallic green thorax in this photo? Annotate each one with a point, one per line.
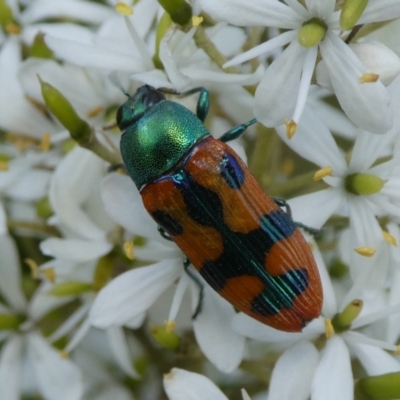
(157, 133)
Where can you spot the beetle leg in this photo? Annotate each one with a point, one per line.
(163, 233)
(237, 131)
(203, 103)
(283, 203)
(196, 280)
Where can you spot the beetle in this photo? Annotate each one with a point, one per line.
(206, 200)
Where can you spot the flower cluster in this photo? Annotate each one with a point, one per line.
(95, 301)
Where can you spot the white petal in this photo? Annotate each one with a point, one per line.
(120, 349)
(207, 75)
(257, 12)
(322, 8)
(10, 369)
(76, 178)
(367, 149)
(315, 208)
(3, 220)
(298, 363)
(124, 204)
(10, 282)
(93, 56)
(277, 92)
(333, 377)
(366, 104)
(58, 378)
(379, 59)
(133, 292)
(75, 249)
(212, 328)
(379, 10)
(31, 186)
(183, 385)
(315, 143)
(70, 9)
(329, 307)
(253, 329)
(375, 360)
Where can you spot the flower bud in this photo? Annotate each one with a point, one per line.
(351, 13)
(65, 113)
(179, 10)
(380, 387)
(342, 321)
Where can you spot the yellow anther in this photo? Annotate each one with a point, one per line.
(45, 142)
(368, 78)
(365, 251)
(13, 28)
(170, 326)
(95, 111)
(50, 274)
(64, 354)
(389, 238)
(33, 267)
(129, 249)
(323, 172)
(123, 9)
(291, 128)
(329, 329)
(397, 352)
(3, 166)
(196, 21)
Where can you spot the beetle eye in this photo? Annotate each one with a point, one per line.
(152, 97)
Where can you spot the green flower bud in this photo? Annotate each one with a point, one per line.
(43, 208)
(351, 13)
(39, 47)
(179, 10)
(381, 387)
(162, 27)
(9, 322)
(65, 113)
(342, 321)
(311, 33)
(6, 14)
(364, 184)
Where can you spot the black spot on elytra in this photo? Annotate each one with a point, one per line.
(169, 223)
(231, 171)
(281, 292)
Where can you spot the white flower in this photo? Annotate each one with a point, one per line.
(317, 145)
(281, 94)
(56, 378)
(184, 385)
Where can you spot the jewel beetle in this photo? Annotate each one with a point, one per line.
(205, 199)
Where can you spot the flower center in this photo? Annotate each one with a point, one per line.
(363, 184)
(312, 32)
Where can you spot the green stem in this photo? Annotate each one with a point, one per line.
(203, 42)
(34, 226)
